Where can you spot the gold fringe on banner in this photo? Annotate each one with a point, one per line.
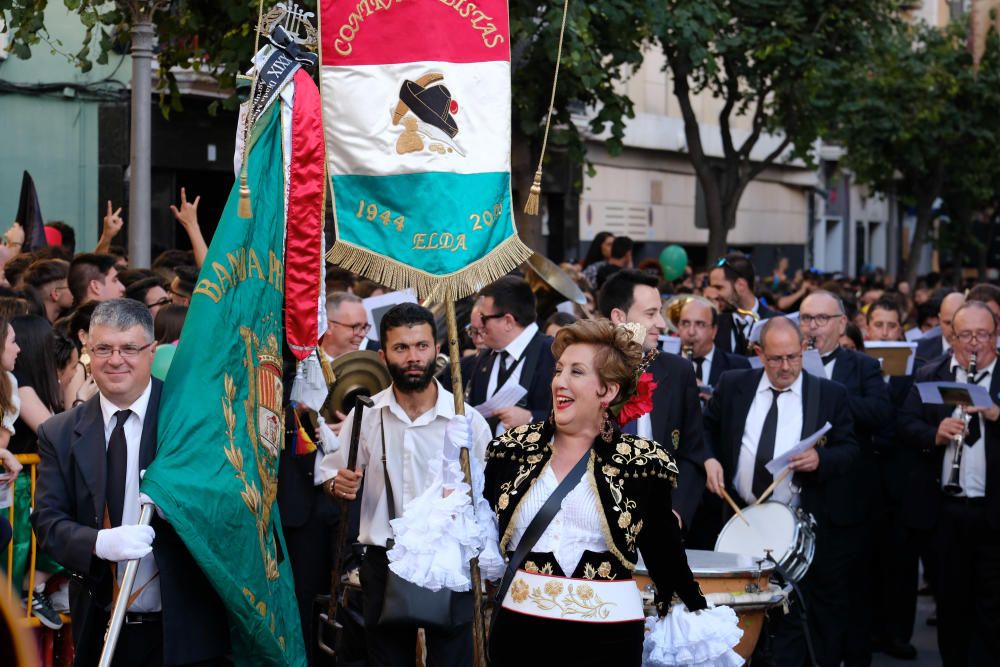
(531, 205)
(396, 275)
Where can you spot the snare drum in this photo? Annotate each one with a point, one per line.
(774, 529)
(740, 582)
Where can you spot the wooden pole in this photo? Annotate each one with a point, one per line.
(478, 625)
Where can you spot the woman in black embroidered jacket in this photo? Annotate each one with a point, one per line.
(572, 599)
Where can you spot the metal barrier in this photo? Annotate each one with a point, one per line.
(54, 646)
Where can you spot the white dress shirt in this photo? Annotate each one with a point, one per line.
(575, 528)
(149, 599)
(972, 474)
(516, 350)
(413, 449)
(706, 366)
(789, 433)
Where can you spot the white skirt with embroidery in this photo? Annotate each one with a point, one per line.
(695, 639)
(438, 535)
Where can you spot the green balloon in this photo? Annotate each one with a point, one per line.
(673, 261)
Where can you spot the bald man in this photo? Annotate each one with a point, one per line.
(742, 429)
(823, 320)
(936, 345)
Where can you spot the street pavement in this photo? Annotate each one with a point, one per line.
(924, 638)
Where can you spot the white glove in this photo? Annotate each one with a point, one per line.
(146, 500)
(124, 542)
(457, 436)
(328, 438)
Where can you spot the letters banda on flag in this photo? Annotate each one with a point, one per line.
(416, 110)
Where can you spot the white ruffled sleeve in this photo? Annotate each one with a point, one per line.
(695, 639)
(439, 534)
(11, 416)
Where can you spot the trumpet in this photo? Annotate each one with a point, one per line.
(953, 486)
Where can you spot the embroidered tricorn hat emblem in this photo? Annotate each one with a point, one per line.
(431, 104)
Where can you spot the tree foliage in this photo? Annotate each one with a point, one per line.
(768, 60)
(920, 121)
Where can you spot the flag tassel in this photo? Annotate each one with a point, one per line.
(531, 205)
(245, 210)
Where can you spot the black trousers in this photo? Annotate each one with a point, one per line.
(519, 640)
(309, 553)
(967, 551)
(397, 646)
(824, 591)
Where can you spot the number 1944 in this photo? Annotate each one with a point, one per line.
(370, 211)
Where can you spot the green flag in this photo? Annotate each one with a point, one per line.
(220, 423)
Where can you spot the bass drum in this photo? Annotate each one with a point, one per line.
(740, 582)
(772, 530)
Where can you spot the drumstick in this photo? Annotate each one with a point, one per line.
(777, 480)
(735, 507)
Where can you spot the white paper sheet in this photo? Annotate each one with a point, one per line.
(505, 396)
(376, 306)
(883, 345)
(779, 463)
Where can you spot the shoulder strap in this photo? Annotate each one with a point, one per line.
(540, 523)
(385, 469)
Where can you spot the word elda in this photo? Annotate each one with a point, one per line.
(243, 264)
(365, 8)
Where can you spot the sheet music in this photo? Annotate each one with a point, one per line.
(779, 463)
(505, 396)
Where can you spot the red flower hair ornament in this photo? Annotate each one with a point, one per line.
(637, 399)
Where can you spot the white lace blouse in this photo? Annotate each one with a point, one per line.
(575, 528)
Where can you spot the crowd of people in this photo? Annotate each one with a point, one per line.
(732, 398)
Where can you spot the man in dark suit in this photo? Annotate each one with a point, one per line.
(87, 508)
(963, 524)
(823, 320)
(934, 346)
(697, 324)
(733, 278)
(675, 421)
(519, 352)
(741, 427)
(895, 567)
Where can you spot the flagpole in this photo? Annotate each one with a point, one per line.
(124, 593)
(478, 625)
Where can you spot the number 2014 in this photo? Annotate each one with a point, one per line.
(485, 218)
(370, 212)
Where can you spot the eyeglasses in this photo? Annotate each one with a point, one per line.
(821, 320)
(126, 351)
(473, 331)
(980, 336)
(781, 360)
(494, 316)
(165, 301)
(360, 329)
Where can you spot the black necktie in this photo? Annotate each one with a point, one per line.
(117, 461)
(699, 363)
(741, 346)
(829, 357)
(765, 447)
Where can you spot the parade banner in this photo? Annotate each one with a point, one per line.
(416, 110)
(220, 428)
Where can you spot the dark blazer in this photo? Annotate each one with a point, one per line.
(677, 425)
(725, 361)
(929, 348)
(632, 480)
(826, 492)
(537, 367)
(723, 336)
(69, 509)
(917, 424)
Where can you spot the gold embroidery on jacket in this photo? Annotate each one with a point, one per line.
(580, 599)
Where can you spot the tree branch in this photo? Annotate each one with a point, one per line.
(756, 170)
